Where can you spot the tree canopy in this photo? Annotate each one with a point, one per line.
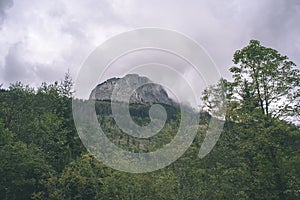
(256, 157)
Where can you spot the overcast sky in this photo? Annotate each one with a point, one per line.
(40, 40)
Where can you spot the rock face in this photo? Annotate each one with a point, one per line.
(149, 92)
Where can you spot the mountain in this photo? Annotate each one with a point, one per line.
(148, 93)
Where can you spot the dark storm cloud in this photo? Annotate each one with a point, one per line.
(15, 67)
(18, 68)
(53, 36)
(4, 5)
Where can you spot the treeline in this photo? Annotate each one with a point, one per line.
(256, 157)
(103, 108)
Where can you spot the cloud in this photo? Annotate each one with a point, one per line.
(14, 68)
(4, 5)
(19, 68)
(40, 40)
(52, 37)
(222, 27)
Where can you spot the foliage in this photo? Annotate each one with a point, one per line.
(267, 77)
(256, 157)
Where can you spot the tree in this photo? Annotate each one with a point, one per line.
(215, 98)
(254, 150)
(265, 87)
(66, 86)
(268, 79)
(81, 179)
(22, 168)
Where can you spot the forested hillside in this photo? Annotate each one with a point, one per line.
(256, 157)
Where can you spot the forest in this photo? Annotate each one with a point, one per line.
(256, 157)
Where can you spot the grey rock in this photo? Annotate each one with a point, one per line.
(148, 93)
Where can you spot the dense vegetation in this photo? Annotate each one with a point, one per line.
(256, 157)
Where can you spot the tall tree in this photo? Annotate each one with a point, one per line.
(270, 79)
(66, 86)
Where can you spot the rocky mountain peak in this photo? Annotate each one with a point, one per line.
(147, 93)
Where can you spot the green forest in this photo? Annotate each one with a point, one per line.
(256, 157)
